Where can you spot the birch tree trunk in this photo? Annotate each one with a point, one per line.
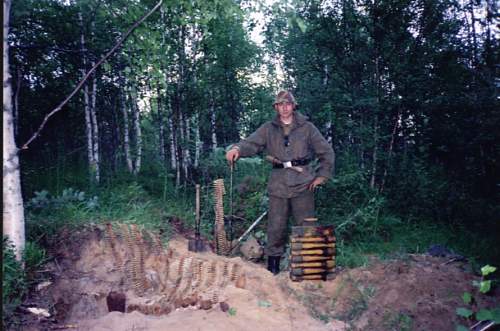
(390, 151)
(13, 209)
(95, 132)
(182, 132)
(187, 152)
(474, 40)
(16, 101)
(374, 154)
(173, 147)
(138, 137)
(161, 128)
(126, 139)
(213, 120)
(87, 107)
(197, 141)
(376, 126)
(328, 124)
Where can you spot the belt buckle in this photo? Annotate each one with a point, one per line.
(287, 164)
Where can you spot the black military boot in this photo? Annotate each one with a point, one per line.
(273, 264)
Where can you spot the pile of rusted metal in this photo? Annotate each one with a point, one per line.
(312, 252)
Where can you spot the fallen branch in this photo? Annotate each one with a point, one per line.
(89, 73)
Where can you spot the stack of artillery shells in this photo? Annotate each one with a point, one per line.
(312, 253)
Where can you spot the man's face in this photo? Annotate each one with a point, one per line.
(285, 109)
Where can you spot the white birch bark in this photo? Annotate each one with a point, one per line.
(86, 103)
(187, 151)
(95, 131)
(376, 128)
(374, 155)
(161, 128)
(213, 122)
(16, 101)
(126, 140)
(328, 124)
(12, 200)
(175, 154)
(173, 147)
(183, 143)
(138, 138)
(197, 140)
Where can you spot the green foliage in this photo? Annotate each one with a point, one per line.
(232, 311)
(482, 314)
(264, 304)
(489, 315)
(400, 322)
(487, 269)
(464, 312)
(47, 214)
(356, 211)
(34, 258)
(14, 284)
(467, 298)
(121, 201)
(485, 286)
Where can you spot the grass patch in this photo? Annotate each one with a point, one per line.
(416, 238)
(123, 202)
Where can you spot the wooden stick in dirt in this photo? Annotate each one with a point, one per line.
(301, 259)
(326, 239)
(322, 252)
(299, 246)
(319, 264)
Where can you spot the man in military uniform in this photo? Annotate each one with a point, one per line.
(291, 142)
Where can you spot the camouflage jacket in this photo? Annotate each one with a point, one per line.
(304, 142)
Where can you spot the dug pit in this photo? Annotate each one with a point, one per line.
(119, 277)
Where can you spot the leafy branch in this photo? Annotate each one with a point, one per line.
(90, 72)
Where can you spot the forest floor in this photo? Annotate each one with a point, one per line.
(173, 289)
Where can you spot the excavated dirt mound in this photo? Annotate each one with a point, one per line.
(157, 288)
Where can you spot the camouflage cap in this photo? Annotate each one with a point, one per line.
(284, 96)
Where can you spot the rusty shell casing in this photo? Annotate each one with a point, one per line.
(325, 276)
(299, 246)
(312, 231)
(312, 258)
(319, 251)
(309, 271)
(322, 239)
(319, 264)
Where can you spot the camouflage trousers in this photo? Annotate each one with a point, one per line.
(300, 207)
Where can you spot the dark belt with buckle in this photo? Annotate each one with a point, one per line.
(293, 163)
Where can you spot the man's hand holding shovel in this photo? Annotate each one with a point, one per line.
(233, 155)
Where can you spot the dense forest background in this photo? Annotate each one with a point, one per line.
(406, 91)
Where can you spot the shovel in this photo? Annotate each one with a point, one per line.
(197, 244)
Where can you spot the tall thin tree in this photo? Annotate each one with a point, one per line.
(13, 208)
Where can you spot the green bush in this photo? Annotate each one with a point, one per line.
(14, 284)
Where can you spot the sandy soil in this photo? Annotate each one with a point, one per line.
(173, 289)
